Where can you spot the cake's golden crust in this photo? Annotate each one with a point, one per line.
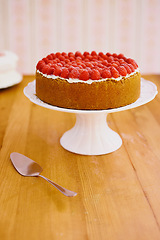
(98, 95)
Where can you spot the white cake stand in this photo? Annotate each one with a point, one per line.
(91, 134)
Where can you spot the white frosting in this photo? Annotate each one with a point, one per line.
(8, 61)
(75, 80)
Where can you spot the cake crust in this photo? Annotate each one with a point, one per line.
(98, 95)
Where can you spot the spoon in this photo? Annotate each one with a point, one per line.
(29, 168)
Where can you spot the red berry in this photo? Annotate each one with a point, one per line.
(106, 73)
(50, 71)
(78, 54)
(84, 75)
(114, 64)
(101, 54)
(120, 55)
(93, 53)
(71, 54)
(114, 55)
(50, 57)
(131, 61)
(89, 57)
(58, 54)
(85, 54)
(40, 64)
(64, 54)
(108, 54)
(131, 67)
(74, 73)
(89, 64)
(61, 58)
(58, 70)
(89, 70)
(53, 55)
(95, 74)
(45, 69)
(110, 59)
(122, 70)
(105, 62)
(121, 61)
(114, 72)
(46, 60)
(100, 65)
(71, 59)
(127, 68)
(64, 73)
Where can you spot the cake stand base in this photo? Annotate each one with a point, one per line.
(91, 135)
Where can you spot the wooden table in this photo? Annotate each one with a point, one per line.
(118, 194)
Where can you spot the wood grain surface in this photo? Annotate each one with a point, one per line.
(118, 194)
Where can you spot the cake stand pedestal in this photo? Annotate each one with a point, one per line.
(91, 134)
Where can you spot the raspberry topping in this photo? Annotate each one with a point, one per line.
(74, 73)
(122, 70)
(95, 74)
(87, 65)
(106, 73)
(114, 72)
(65, 72)
(84, 75)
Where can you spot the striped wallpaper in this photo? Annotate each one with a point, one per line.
(34, 28)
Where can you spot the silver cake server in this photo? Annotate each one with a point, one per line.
(29, 168)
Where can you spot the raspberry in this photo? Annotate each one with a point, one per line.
(95, 57)
(58, 70)
(93, 53)
(100, 65)
(78, 59)
(64, 73)
(71, 54)
(89, 57)
(114, 72)
(122, 70)
(50, 71)
(84, 75)
(106, 73)
(121, 61)
(105, 62)
(95, 74)
(45, 60)
(40, 64)
(108, 54)
(58, 54)
(89, 64)
(110, 59)
(127, 68)
(50, 57)
(74, 73)
(67, 61)
(64, 54)
(131, 67)
(114, 55)
(45, 69)
(131, 61)
(53, 55)
(78, 54)
(89, 70)
(71, 59)
(120, 55)
(101, 54)
(114, 64)
(85, 54)
(61, 58)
